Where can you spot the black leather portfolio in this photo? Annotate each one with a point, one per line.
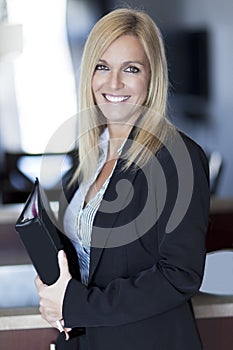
(42, 239)
(38, 232)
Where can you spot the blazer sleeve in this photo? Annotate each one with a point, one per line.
(171, 281)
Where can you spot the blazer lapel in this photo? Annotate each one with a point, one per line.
(117, 196)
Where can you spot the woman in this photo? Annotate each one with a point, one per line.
(138, 202)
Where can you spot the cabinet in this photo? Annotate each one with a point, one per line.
(33, 339)
(216, 333)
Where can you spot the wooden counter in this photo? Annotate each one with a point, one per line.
(21, 318)
(212, 306)
(205, 306)
(24, 329)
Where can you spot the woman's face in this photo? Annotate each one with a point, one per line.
(121, 80)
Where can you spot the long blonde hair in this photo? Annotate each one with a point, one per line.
(153, 127)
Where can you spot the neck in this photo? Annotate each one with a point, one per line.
(118, 133)
(122, 129)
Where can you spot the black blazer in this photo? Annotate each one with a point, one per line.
(147, 256)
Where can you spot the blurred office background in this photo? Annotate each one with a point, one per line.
(41, 44)
(40, 49)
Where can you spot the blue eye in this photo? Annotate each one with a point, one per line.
(132, 69)
(101, 67)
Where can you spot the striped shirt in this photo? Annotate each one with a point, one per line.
(79, 218)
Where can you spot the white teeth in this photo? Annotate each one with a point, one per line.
(115, 99)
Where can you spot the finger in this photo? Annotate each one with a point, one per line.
(38, 282)
(63, 263)
(59, 326)
(62, 329)
(49, 316)
(65, 328)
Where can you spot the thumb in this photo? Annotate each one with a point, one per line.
(63, 263)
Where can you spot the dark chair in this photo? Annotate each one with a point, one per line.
(20, 169)
(216, 167)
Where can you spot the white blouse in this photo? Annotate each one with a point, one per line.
(79, 218)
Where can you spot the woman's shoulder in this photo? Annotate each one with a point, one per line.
(190, 143)
(180, 147)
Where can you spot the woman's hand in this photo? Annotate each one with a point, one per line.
(51, 297)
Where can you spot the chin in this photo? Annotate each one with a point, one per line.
(119, 113)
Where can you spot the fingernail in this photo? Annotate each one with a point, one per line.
(61, 253)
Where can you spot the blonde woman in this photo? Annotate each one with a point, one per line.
(137, 203)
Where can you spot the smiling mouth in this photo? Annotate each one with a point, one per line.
(115, 98)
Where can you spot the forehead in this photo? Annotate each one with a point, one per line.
(125, 48)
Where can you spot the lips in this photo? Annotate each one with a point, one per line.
(116, 98)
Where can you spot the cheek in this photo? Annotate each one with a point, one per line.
(94, 87)
(142, 89)
(146, 86)
(97, 82)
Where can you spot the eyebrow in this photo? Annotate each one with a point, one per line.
(124, 63)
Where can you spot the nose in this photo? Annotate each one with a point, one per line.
(115, 80)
